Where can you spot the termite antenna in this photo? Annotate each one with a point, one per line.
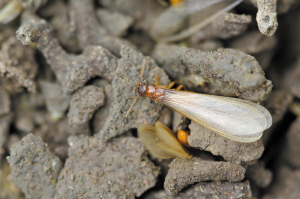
(138, 94)
(132, 105)
(143, 70)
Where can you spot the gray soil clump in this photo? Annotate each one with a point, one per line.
(114, 169)
(224, 27)
(83, 104)
(57, 102)
(261, 176)
(286, 186)
(144, 110)
(277, 104)
(70, 109)
(230, 150)
(185, 172)
(115, 22)
(100, 115)
(89, 31)
(71, 71)
(17, 66)
(217, 189)
(229, 72)
(34, 167)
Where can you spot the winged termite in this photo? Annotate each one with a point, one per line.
(235, 119)
(175, 23)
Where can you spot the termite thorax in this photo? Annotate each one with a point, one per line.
(149, 91)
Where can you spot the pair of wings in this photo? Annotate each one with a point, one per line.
(236, 119)
(167, 27)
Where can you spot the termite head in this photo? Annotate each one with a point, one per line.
(142, 88)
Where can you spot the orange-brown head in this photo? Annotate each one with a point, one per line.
(142, 88)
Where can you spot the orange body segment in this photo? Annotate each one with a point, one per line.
(182, 137)
(173, 2)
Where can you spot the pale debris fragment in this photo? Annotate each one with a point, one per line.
(266, 16)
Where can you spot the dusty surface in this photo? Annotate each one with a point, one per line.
(267, 16)
(115, 22)
(34, 167)
(57, 102)
(55, 134)
(84, 58)
(261, 176)
(255, 43)
(89, 31)
(144, 110)
(115, 169)
(258, 45)
(17, 65)
(217, 189)
(291, 80)
(184, 172)
(277, 104)
(71, 71)
(100, 115)
(224, 27)
(83, 104)
(286, 186)
(292, 150)
(219, 68)
(230, 150)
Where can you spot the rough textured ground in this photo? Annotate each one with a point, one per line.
(217, 189)
(238, 152)
(184, 172)
(128, 75)
(35, 168)
(70, 68)
(247, 81)
(83, 104)
(114, 169)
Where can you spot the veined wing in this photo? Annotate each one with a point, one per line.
(168, 26)
(236, 119)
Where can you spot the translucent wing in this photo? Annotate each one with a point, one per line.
(236, 119)
(168, 26)
(160, 141)
(148, 137)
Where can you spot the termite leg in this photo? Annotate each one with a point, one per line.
(156, 80)
(180, 87)
(172, 84)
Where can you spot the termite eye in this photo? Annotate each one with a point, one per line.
(141, 89)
